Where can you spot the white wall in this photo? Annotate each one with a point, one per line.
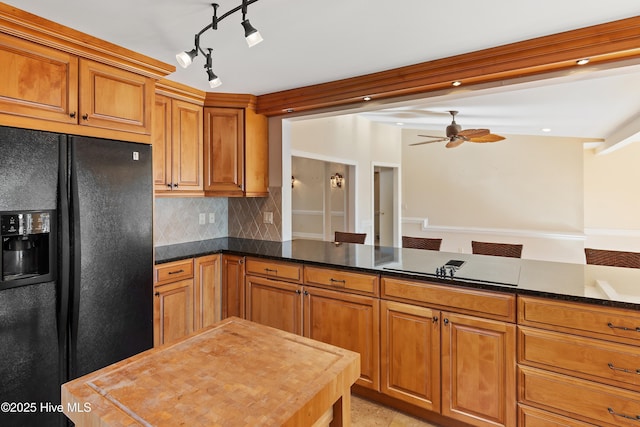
(612, 198)
(352, 140)
(525, 190)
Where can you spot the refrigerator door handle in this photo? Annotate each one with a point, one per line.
(64, 250)
(75, 257)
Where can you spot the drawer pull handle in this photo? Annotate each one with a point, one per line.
(271, 270)
(624, 328)
(628, 371)
(176, 272)
(332, 280)
(629, 417)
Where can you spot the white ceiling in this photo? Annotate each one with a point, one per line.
(314, 41)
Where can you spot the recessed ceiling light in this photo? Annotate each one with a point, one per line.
(288, 110)
(545, 130)
(582, 61)
(456, 83)
(367, 98)
(400, 123)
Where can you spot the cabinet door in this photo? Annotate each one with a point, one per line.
(161, 140)
(37, 81)
(172, 311)
(478, 370)
(232, 286)
(410, 353)
(274, 303)
(224, 151)
(347, 321)
(116, 99)
(186, 130)
(207, 291)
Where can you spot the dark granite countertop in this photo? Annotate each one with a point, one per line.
(608, 286)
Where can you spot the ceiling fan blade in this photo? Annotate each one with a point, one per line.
(487, 138)
(473, 133)
(432, 136)
(429, 142)
(455, 141)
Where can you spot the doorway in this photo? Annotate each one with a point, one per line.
(385, 206)
(321, 200)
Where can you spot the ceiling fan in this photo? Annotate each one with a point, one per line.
(456, 136)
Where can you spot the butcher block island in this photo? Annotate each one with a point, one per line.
(235, 373)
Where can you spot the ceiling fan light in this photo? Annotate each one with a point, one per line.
(251, 35)
(186, 58)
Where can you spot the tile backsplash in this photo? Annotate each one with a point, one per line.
(246, 216)
(177, 219)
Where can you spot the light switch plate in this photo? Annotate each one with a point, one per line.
(212, 217)
(202, 219)
(267, 217)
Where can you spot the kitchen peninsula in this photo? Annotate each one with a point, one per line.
(441, 334)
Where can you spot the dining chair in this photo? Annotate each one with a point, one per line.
(510, 250)
(612, 258)
(344, 237)
(421, 243)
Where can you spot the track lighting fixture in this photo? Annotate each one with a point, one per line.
(251, 35)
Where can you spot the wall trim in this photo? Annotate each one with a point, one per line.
(542, 234)
(611, 232)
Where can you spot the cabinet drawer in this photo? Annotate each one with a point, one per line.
(359, 282)
(531, 417)
(484, 303)
(583, 400)
(603, 361)
(583, 319)
(280, 270)
(174, 271)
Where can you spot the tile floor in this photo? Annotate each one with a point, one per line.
(365, 413)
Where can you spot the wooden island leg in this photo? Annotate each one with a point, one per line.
(342, 411)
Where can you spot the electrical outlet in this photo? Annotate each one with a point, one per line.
(267, 217)
(212, 217)
(202, 219)
(425, 224)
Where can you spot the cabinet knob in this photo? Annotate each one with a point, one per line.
(85, 117)
(157, 294)
(298, 291)
(169, 185)
(445, 321)
(72, 115)
(435, 319)
(175, 185)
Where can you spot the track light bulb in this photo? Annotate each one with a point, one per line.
(214, 81)
(251, 35)
(186, 58)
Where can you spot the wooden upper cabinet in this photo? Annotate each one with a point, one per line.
(236, 148)
(177, 140)
(161, 141)
(115, 99)
(37, 81)
(224, 151)
(186, 135)
(57, 79)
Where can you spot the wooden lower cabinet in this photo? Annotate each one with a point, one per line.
(186, 297)
(233, 273)
(274, 303)
(207, 277)
(532, 417)
(460, 366)
(345, 320)
(410, 354)
(478, 370)
(173, 311)
(348, 321)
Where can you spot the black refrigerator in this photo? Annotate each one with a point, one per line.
(94, 305)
